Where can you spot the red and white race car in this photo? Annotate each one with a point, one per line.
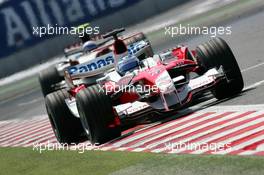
(140, 88)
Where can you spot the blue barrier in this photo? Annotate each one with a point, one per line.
(17, 18)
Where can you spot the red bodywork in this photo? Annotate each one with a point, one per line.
(150, 75)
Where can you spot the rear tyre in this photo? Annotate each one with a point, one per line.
(216, 53)
(97, 115)
(48, 78)
(67, 128)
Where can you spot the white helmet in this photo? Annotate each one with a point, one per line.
(89, 46)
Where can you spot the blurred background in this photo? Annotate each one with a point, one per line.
(24, 54)
(20, 49)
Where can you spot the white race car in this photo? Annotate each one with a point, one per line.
(52, 78)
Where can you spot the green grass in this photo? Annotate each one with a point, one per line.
(26, 161)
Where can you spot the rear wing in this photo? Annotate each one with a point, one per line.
(127, 40)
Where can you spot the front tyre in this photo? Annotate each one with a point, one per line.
(67, 128)
(216, 53)
(97, 115)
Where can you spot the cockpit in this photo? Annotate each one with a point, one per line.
(127, 64)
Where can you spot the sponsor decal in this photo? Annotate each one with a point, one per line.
(99, 63)
(137, 107)
(202, 81)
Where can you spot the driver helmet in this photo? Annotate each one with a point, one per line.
(80, 30)
(89, 46)
(127, 64)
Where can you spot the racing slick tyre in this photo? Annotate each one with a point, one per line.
(216, 53)
(48, 78)
(67, 128)
(97, 115)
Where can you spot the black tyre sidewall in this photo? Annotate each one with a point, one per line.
(67, 128)
(216, 53)
(96, 113)
(48, 78)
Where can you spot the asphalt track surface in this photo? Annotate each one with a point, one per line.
(247, 44)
